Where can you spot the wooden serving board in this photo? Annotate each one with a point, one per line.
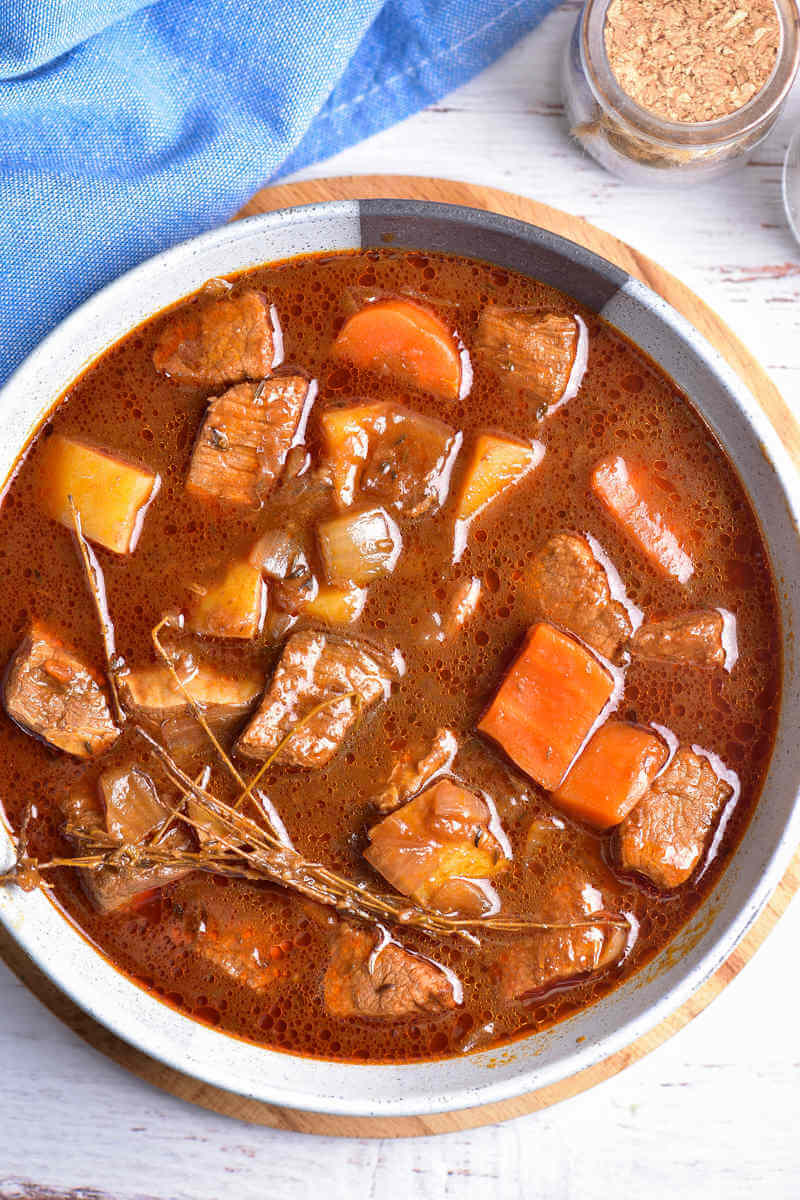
(705, 320)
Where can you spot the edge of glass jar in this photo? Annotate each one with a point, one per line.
(610, 96)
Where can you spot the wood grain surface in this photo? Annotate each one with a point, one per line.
(704, 319)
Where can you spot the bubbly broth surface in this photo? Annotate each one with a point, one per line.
(624, 406)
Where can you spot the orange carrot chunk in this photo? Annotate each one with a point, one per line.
(547, 704)
(403, 339)
(612, 774)
(634, 501)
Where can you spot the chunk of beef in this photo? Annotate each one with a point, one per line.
(236, 945)
(665, 834)
(543, 357)
(445, 833)
(571, 890)
(315, 668)
(391, 452)
(383, 981)
(126, 806)
(572, 589)
(217, 341)
(152, 696)
(415, 768)
(694, 639)
(50, 692)
(245, 438)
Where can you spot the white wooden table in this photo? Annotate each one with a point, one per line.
(714, 1112)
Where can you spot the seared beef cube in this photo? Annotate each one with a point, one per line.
(233, 946)
(572, 589)
(246, 436)
(365, 979)
(540, 356)
(391, 452)
(413, 770)
(212, 342)
(706, 638)
(50, 692)
(665, 834)
(447, 832)
(571, 890)
(315, 668)
(131, 810)
(151, 695)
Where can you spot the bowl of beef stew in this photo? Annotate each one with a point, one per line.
(399, 666)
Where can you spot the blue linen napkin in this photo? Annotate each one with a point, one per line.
(126, 127)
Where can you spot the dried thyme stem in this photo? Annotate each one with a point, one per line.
(94, 578)
(196, 711)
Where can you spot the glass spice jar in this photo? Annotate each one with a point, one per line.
(638, 145)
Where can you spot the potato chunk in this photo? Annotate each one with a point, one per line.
(496, 464)
(399, 456)
(111, 495)
(51, 693)
(245, 438)
(443, 834)
(548, 702)
(336, 606)
(232, 607)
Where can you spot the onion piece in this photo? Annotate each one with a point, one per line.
(359, 547)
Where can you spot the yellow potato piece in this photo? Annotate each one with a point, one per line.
(497, 463)
(233, 607)
(336, 606)
(110, 495)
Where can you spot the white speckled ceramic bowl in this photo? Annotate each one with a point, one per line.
(61, 951)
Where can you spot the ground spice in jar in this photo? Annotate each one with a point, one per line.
(692, 60)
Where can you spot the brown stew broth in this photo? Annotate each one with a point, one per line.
(625, 405)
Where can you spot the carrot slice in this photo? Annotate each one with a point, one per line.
(634, 501)
(547, 704)
(398, 337)
(612, 774)
(497, 463)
